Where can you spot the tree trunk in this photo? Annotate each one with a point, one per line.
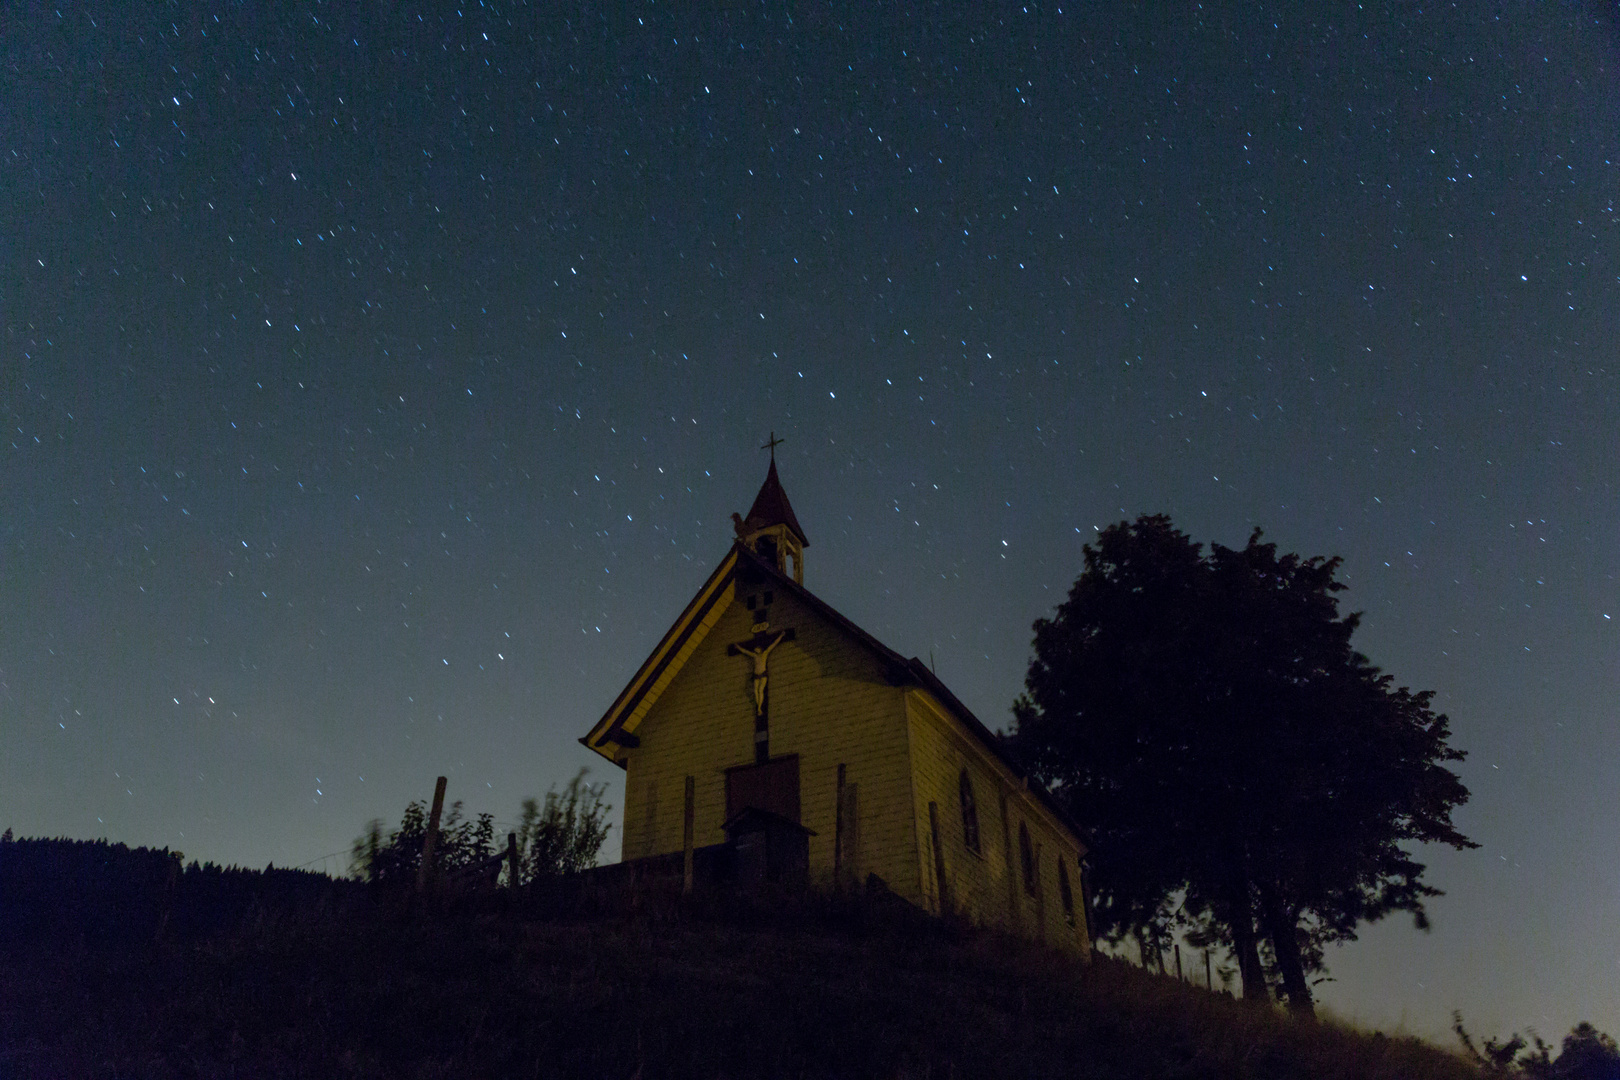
(1246, 944)
(1283, 930)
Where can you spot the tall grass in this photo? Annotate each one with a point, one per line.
(575, 982)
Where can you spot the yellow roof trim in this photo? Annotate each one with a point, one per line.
(666, 661)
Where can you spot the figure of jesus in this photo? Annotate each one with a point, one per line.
(760, 655)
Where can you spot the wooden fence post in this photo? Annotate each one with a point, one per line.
(686, 836)
(850, 848)
(169, 882)
(424, 873)
(1085, 904)
(838, 829)
(1015, 919)
(1040, 899)
(942, 883)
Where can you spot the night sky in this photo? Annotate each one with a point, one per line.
(377, 389)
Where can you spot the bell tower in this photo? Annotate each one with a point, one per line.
(770, 529)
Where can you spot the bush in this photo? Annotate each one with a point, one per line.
(564, 836)
(567, 834)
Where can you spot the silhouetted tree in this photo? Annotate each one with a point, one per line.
(1206, 716)
(1496, 1057)
(1586, 1054)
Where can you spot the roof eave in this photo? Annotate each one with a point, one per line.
(610, 729)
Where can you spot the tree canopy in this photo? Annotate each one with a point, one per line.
(1205, 715)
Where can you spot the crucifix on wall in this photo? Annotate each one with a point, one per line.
(758, 650)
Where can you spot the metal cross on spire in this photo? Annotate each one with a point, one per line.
(772, 444)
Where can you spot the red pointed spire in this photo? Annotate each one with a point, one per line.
(771, 507)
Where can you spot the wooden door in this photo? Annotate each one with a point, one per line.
(772, 786)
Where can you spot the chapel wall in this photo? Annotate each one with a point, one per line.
(987, 886)
(1044, 913)
(701, 724)
(976, 881)
(832, 703)
(829, 703)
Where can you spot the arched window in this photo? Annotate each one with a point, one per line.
(1066, 894)
(1026, 858)
(970, 812)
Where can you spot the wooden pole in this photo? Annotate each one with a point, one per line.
(942, 885)
(1014, 920)
(686, 836)
(511, 860)
(175, 859)
(1040, 899)
(852, 832)
(838, 829)
(1085, 903)
(424, 873)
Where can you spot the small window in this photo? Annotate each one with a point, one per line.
(1066, 894)
(970, 813)
(1026, 858)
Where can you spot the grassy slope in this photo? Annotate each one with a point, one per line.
(709, 989)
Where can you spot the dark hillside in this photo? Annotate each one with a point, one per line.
(312, 979)
(110, 895)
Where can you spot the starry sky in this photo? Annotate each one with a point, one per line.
(377, 383)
